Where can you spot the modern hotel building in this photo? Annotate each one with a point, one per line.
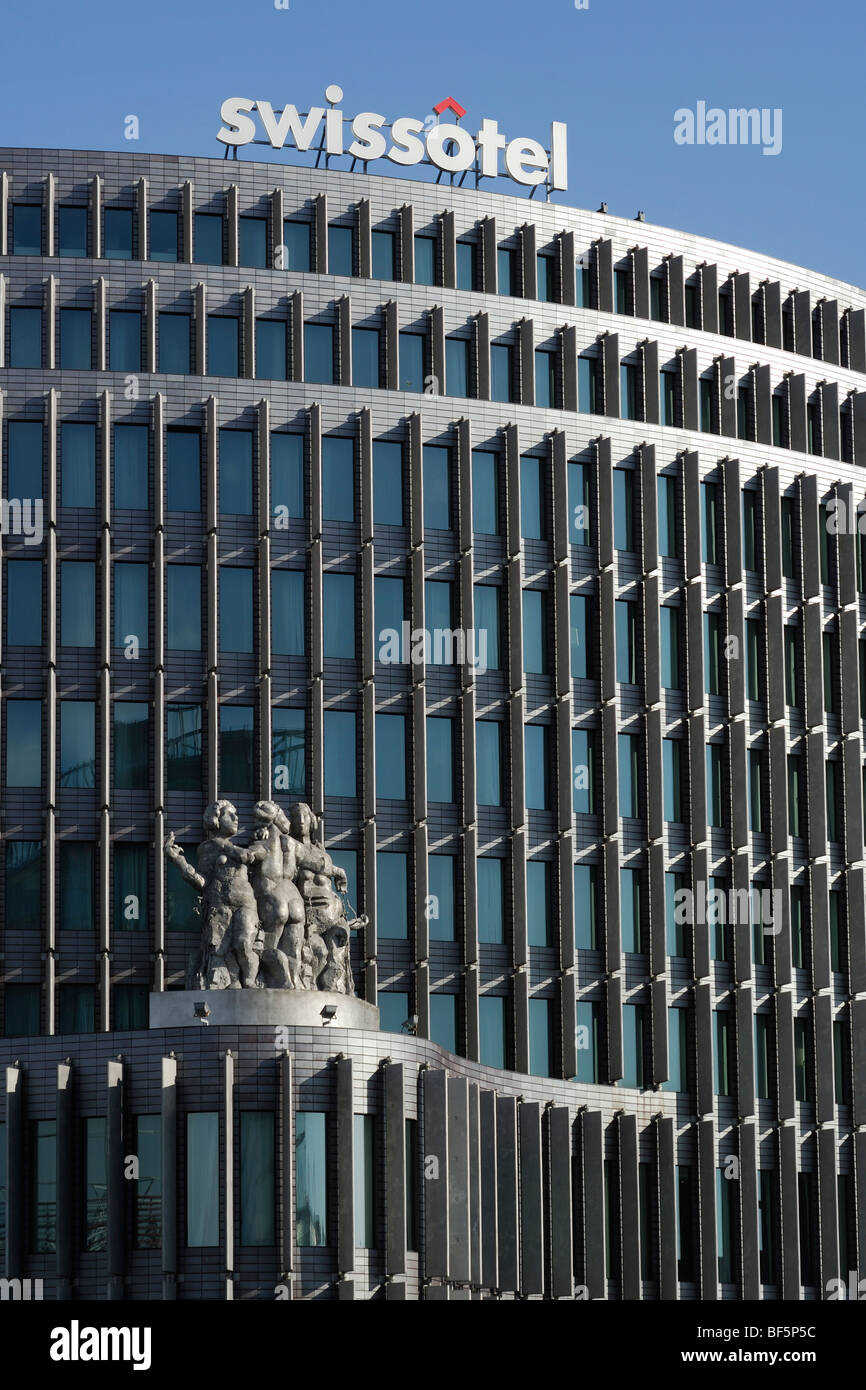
(254, 419)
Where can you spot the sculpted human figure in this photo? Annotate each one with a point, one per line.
(230, 944)
(281, 907)
(328, 932)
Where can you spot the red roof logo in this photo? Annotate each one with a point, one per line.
(449, 104)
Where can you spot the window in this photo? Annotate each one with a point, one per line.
(23, 603)
(677, 1051)
(71, 231)
(364, 1165)
(456, 367)
(124, 340)
(723, 1053)
(23, 884)
(236, 472)
(657, 298)
(545, 379)
(467, 271)
(767, 1225)
(538, 902)
(425, 260)
(236, 608)
(669, 637)
(387, 482)
(715, 785)
(341, 251)
(629, 391)
(725, 1225)
(488, 625)
(628, 775)
(271, 358)
(366, 369)
(705, 386)
(756, 794)
(95, 1184)
(537, 766)
(23, 743)
(130, 467)
(841, 1066)
(25, 337)
(541, 1060)
(223, 351)
(164, 239)
(130, 605)
(288, 751)
(491, 1028)
(588, 1040)
(578, 503)
(672, 779)
(77, 743)
(629, 911)
(183, 471)
(24, 454)
(22, 1012)
(623, 509)
(393, 1010)
(744, 413)
(383, 255)
(389, 610)
(545, 278)
(491, 899)
(287, 477)
(583, 771)
(131, 737)
(801, 1054)
(202, 1178)
(531, 498)
(208, 238)
(750, 530)
(181, 897)
(534, 631)
(183, 594)
(789, 569)
(713, 652)
(338, 615)
(675, 929)
(711, 523)
(443, 1020)
(411, 362)
(44, 1188)
(77, 1008)
(667, 517)
(311, 1174)
(76, 333)
(832, 781)
(253, 241)
(339, 753)
(257, 1177)
(779, 419)
(236, 747)
(837, 939)
(588, 386)
(501, 375)
(621, 285)
(633, 1044)
(693, 311)
(296, 240)
(391, 757)
(117, 234)
(799, 930)
(796, 796)
(392, 895)
(792, 683)
(626, 642)
(147, 1191)
(505, 268)
(579, 623)
(828, 641)
(440, 872)
(174, 343)
(485, 506)
(338, 478)
(437, 488)
(488, 758)
(78, 465)
(130, 886)
(440, 759)
(753, 659)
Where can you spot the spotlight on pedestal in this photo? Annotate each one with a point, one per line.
(410, 1025)
(201, 1012)
(328, 1014)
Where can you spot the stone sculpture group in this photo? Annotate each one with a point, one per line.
(271, 906)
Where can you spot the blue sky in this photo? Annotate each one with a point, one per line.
(615, 72)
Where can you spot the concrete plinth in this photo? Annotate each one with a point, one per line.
(300, 1008)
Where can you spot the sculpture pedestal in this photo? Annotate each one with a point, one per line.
(298, 1008)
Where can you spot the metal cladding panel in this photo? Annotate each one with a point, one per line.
(763, 407)
(458, 1180)
(744, 1003)
(773, 314)
(742, 306)
(667, 1206)
(726, 378)
(857, 927)
(750, 1280)
(474, 1137)
(531, 1210)
(858, 1060)
(710, 299)
(655, 789)
(790, 1212)
(526, 370)
(676, 290)
(115, 1196)
(610, 357)
(847, 543)
(567, 263)
(830, 331)
(434, 1206)
(506, 1176)
(604, 484)
(706, 1136)
(692, 508)
(857, 339)
(559, 1162)
(785, 1055)
(629, 1207)
(651, 382)
(489, 1190)
(828, 1208)
(16, 1178)
(490, 269)
(772, 530)
(688, 360)
(704, 1044)
(592, 1184)
(603, 264)
(811, 521)
(613, 1008)
(829, 393)
(395, 1170)
(822, 1025)
(345, 1167)
(639, 257)
(66, 1196)
(797, 416)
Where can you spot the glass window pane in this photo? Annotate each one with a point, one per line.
(124, 340)
(491, 899)
(437, 487)
(534, 632)
(338, 478)
(183, 594)
(130, 886)
(341, 257)
(77, 603)
(24, 445)
(163, 244)
(287, 612)
(488, 745)
(174, 344)
(202, 1178)
(485, 519)
(77, 1008)
(364, 1173)
(26, 229)
(147, 1191)
(117, 234)
(535, 739)
(585, 903)
(76, 336)
(183, 747)
(76, 862)
(538, 902)
(411, 362)
(393, 1010)
(339, 759)
(338, 615)
(23, 603)
(22, 1011)
(181, 897)
(296, 239)
(253, 241)
(130, 467)
(392, 896)
(540, 1039)
(425, 260)
(387, 483)
(545, 379)
(236, 609)
(491, 1027)
(130, 606)
(236, 748)
(271, 361)
(456, 367)
(382, 255)
(72, 231)
(365, 357)
(440, 887)
(466, 264)
(23, 885)
(531, 499)
(505, 270)
(443, 1020)
(78, 465)
(437, 606)
(208, 238)
(500, 372)
(44, 1185)
(236, 472)
(440, 759)
(257, 1177)
(25, 337)
(311, 1185)
(288, 751)
(287, 477)
(391, 757)
(183, 470)
(318, 352)
(222, 345)
(23, 743)
(131, 744)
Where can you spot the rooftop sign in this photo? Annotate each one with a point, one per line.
(407, 140)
